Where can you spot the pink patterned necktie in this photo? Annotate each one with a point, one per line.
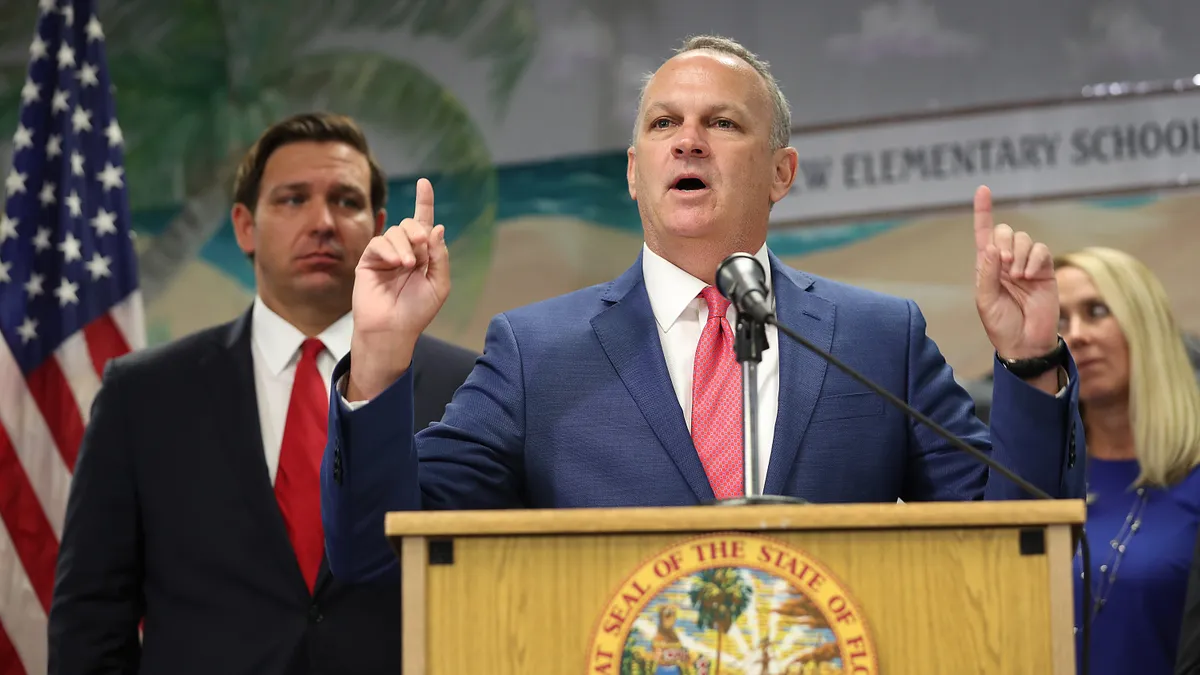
(717, 401)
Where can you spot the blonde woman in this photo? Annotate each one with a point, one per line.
(1140, 403)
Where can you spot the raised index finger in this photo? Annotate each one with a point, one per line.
(423, 211)
(983, 218)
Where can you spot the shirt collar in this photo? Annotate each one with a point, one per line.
(279, 341)
(672, 291)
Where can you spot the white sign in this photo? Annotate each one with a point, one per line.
(1094, 145)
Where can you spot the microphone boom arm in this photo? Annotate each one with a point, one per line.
(916, 414)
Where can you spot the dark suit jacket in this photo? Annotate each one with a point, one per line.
(172, 516)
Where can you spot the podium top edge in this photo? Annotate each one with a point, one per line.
(924, 515)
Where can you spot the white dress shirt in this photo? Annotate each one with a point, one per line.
(275, 348)
(680, 314)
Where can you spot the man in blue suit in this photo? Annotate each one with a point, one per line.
(628, 393)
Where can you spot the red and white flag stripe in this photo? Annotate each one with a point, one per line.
(41, 427)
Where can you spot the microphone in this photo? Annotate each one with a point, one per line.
(742, 280)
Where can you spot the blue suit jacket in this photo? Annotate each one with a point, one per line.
(571, 406)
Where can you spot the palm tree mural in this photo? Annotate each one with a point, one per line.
(720, 596)
(197, 81)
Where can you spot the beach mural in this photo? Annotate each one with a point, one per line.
(436, 85)
(569, 223)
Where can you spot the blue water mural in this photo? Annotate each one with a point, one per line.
(590, 188)
(223, 253)
(813, 238)
(1122, 202)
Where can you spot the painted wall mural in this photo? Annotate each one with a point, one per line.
(569, 223)
(491, 99)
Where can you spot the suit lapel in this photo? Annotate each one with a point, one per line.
(627, 333)
(231, 387)
(801, 372)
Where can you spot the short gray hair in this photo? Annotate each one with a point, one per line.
(781, 128)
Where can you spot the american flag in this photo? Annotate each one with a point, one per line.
(69, 302)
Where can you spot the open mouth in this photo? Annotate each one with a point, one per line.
(689, 184)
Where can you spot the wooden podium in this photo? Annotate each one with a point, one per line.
(898, 589)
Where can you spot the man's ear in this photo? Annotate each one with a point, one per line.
(631, 173)
(380, 221)
(243, 227)
(786, 160)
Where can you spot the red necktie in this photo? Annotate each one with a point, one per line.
(717, 401)
(298, 481)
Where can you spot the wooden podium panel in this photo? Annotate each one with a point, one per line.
(905, 589)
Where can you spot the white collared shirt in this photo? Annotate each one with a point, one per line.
(275, 348)
(680, 315)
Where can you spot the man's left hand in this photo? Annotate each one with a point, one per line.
(1015, 289)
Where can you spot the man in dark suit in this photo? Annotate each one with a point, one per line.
(195, 503)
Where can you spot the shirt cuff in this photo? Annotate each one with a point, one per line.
(341, 389)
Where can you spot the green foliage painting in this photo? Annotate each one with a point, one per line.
(198, 80)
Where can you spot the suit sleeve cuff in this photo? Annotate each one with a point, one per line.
(347, 406)
(356, 418)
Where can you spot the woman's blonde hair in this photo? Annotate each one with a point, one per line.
(1164, 396)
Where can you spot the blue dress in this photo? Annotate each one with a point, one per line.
(1141, 591)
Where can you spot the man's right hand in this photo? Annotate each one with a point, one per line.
(401, 282)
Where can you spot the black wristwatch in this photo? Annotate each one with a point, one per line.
(1030, 368)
